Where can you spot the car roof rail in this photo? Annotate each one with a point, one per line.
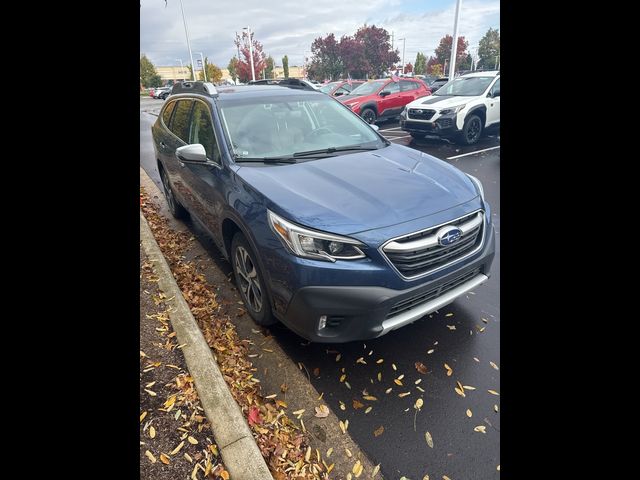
(202, 88)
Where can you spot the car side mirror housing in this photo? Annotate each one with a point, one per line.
(384, 93)
(496, 93)
(194, 153)
(374, 126)
(337, 94)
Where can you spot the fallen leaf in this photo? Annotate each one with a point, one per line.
(338, 357)
(429, 439)
(298, 412)
(370, 397)
(444, 477)
(451, 327)
(368, 409)
(380, 360)
(224, 475)
(417, 381)
(498, 467)
(379, 376)
(426, 477)
(322, 411)
(493, 392)
(480, 428)
(153, 394)
(342, 427)
(284, 388)
(192, 440)
(448, 369)
(329, 452)
(378, 431)
(307, 456)
(431, 351)
(189, 459)
(495, 407)
(281, 403)
(468, 387)
(142, 415)
(357, 469)
(404, 394)
(357, 404)
(150, 456)
(177, 449)
(418, 404)
(397, 382)
(494, 365)
(421, 367)
(388, 390)
(348, 452)
(152, 432)
(476, 359)
(164, 459)
(273, 395)
(342, 405)
(348, 385)
(469, 413)
(254, 416)
(361, 360)
(421, 389)
(393, 365)
(376, 469)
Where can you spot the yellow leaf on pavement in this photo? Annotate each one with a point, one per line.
(164, 459)
(480, 428)
(469, 413)
(429, 439)
(177, 449)
(152, 432)
(192, 440)
(150, 456)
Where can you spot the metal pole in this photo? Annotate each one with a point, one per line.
(204, 67)
(184, 20)
(253, 73)
(403, 45)
(497, 58)
(454, 44)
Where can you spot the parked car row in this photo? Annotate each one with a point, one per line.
(329, 227)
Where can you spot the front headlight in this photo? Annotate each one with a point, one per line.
(312, 244)
(403, 113)
(478, 185)
(447, 111)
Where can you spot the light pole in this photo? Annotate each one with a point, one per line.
(184, 20)
(204, 67)
(253, 73)
(454, 43)
(403, 45)
(497, 63)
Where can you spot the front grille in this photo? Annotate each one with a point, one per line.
(417, 300)
(421, 113)
(413, 261)
(444, 122)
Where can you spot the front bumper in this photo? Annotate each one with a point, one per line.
(443, 126)
(364, 312)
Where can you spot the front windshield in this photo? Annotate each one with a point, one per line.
(280, 126)
(368, 88)
(465, 86)
(329, 87)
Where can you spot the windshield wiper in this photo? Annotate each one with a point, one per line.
(267, 159)
(333, 150)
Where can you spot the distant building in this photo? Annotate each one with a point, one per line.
(172, 74)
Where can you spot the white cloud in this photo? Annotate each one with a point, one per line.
(289, 27)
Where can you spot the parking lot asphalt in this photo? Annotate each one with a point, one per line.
(464, 430)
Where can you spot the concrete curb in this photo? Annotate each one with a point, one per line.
(238, 448)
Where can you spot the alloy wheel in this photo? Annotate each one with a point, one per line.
(248, 279)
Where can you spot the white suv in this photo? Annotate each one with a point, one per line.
(461, 109)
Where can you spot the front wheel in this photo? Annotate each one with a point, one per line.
(369, 115)
(250, 281)
(176, 209)
(472, 130)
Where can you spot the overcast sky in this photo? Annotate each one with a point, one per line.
(288, 27)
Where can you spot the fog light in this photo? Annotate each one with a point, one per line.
(323, 322)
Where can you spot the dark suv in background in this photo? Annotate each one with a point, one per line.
(329, 227)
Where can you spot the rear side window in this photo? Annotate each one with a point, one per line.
(202, 131)
(180, 122)
(166, 115)
(406, 85)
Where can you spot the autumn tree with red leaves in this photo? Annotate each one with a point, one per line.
(443, 52)
(243, 66)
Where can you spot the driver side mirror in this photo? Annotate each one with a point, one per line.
(194, 153)
(337, 94)
(496, 93)
(384, 93)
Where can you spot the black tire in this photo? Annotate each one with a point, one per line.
(250, 281)
(369, 115)
(417, 136)
(472, 130)
(176, 209)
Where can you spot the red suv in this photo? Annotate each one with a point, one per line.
(384, 98)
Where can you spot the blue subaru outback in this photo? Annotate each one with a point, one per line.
(330, 228)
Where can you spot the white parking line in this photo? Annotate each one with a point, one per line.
(389, 129)
(396, 138)
(472, 153)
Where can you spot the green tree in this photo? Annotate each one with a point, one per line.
(285, 66)
(420, 65)
(233, 68)
(436, 70)
(269, 68)
(148, 75)
(489, 49)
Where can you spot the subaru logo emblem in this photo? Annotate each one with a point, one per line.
(448, 235)
(418, 111)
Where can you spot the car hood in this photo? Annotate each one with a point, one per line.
(439, 101)
(361, 191)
